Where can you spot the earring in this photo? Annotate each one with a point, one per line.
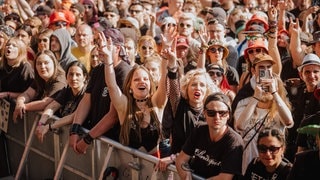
(130, 91)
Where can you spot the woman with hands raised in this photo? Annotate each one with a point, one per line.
(139, 107)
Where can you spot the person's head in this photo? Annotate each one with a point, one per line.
(94, 57)
(217, 110)
(136, 10)
(14, 52)
(76, 75)
(58, 20)
(216, 13)
(90, 10)
(138, 84)
(182, 47)
(25, 34)
(303, 4)
(146, 46)
(123, 5)
(55, 45)
(167, 24)
(43, 12)
(271, 147)
(78, 10)
(44, 39)
(309, 71)
(216, 73)
(256, 45)
(216, 30)
(84, 36)
(175, 5)
(235, 15)
(118, 43)
(186, 24)
(46, 66)
(111, 13)
(316, 42)
(196, 85)
(189, 7)
(262, 62)
(131, 49)
(35, 24)
(258, 19)
(152, 63)
(217, 52)
(283, 38)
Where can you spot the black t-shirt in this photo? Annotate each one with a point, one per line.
(257, 170)
(68, 101)
(100, 99)
(232, 76)
(16, 79)
(211, 158)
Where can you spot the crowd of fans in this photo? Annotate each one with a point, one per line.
(222, 89)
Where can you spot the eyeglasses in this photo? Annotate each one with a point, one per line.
(135, 11)
(217, 73)
(272, 149)
(60, 23)
(214, 50)
(257, 50)
(43, 40)
(213, 113)
(257, 23)
(185, 25)
(171, 25)
(145, 48)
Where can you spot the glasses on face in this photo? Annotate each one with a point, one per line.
(145, 48)
(214, 50)
(213, 113)
(43, 40)
(257, 50)
(272, 149)
(135, 11)
(257, 23)
(60, 23)
(217, 73)
(182, 25)
(171, 25)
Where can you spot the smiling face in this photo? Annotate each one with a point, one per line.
(196, 90)
(45, 67)
(146, 49)
(310, 74)
(270, 152)
(140, 84)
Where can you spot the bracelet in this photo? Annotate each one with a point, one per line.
(172, 69)
(74, 129)
(87, 139)
(256, 98)
(111, 64)
(274, 92)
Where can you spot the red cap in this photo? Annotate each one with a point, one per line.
(182, 41)
(58, 16)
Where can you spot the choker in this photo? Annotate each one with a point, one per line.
(141, 100)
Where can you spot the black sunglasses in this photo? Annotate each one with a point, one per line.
(60, 23)
(258, 50)
(214, 50)
(213, 113)
(217, 73)
(272, 149)
(145, 48)
(184, 25)
(43, 40)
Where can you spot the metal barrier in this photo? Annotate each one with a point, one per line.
(43, 160)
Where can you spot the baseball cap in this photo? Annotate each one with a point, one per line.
(78, 6)
(58, 16)
(43, 10)
(182, 41)
(309, 59)
(7, 30)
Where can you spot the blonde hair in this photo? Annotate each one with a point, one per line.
(143, 39)
(22, 53)
(186, 79)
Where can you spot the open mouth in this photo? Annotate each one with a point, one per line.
(196, 95)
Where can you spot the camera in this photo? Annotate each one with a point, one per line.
(264, 74)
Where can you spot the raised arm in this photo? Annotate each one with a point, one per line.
(203, 49)
(108, 50)
(295, 49)
(160, 98)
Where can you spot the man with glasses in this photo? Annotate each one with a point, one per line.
(259, 104)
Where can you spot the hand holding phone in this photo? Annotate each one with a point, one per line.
(264, 74)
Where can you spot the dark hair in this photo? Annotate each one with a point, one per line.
(218, 96)
(274, 132)
(81, 66)
(25, 28)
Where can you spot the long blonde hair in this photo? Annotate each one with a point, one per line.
(22, 53)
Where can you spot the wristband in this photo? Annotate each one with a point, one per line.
(172, 75)
(74, 129)
(172, 69)
(87, 139)
(274, 92)
(256, 98)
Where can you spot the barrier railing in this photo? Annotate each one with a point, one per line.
(103, 157)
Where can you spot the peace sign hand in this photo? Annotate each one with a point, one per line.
(105, 48)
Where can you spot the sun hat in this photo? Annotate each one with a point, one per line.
(257, 43)
(262, 58)
(215, 42)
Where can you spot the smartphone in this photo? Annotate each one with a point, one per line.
(264, 74)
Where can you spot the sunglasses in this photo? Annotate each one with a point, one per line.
(171, 25)
(217, 73)
(145, 48)
(272, 149)
(60, 23)
(213, 113)
(88, 6)
(214, 50)
(185, 25)
(43, 40)
(251, 51)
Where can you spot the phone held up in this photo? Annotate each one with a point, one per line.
(264, 74)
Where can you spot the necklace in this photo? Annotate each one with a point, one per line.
(141, 100)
